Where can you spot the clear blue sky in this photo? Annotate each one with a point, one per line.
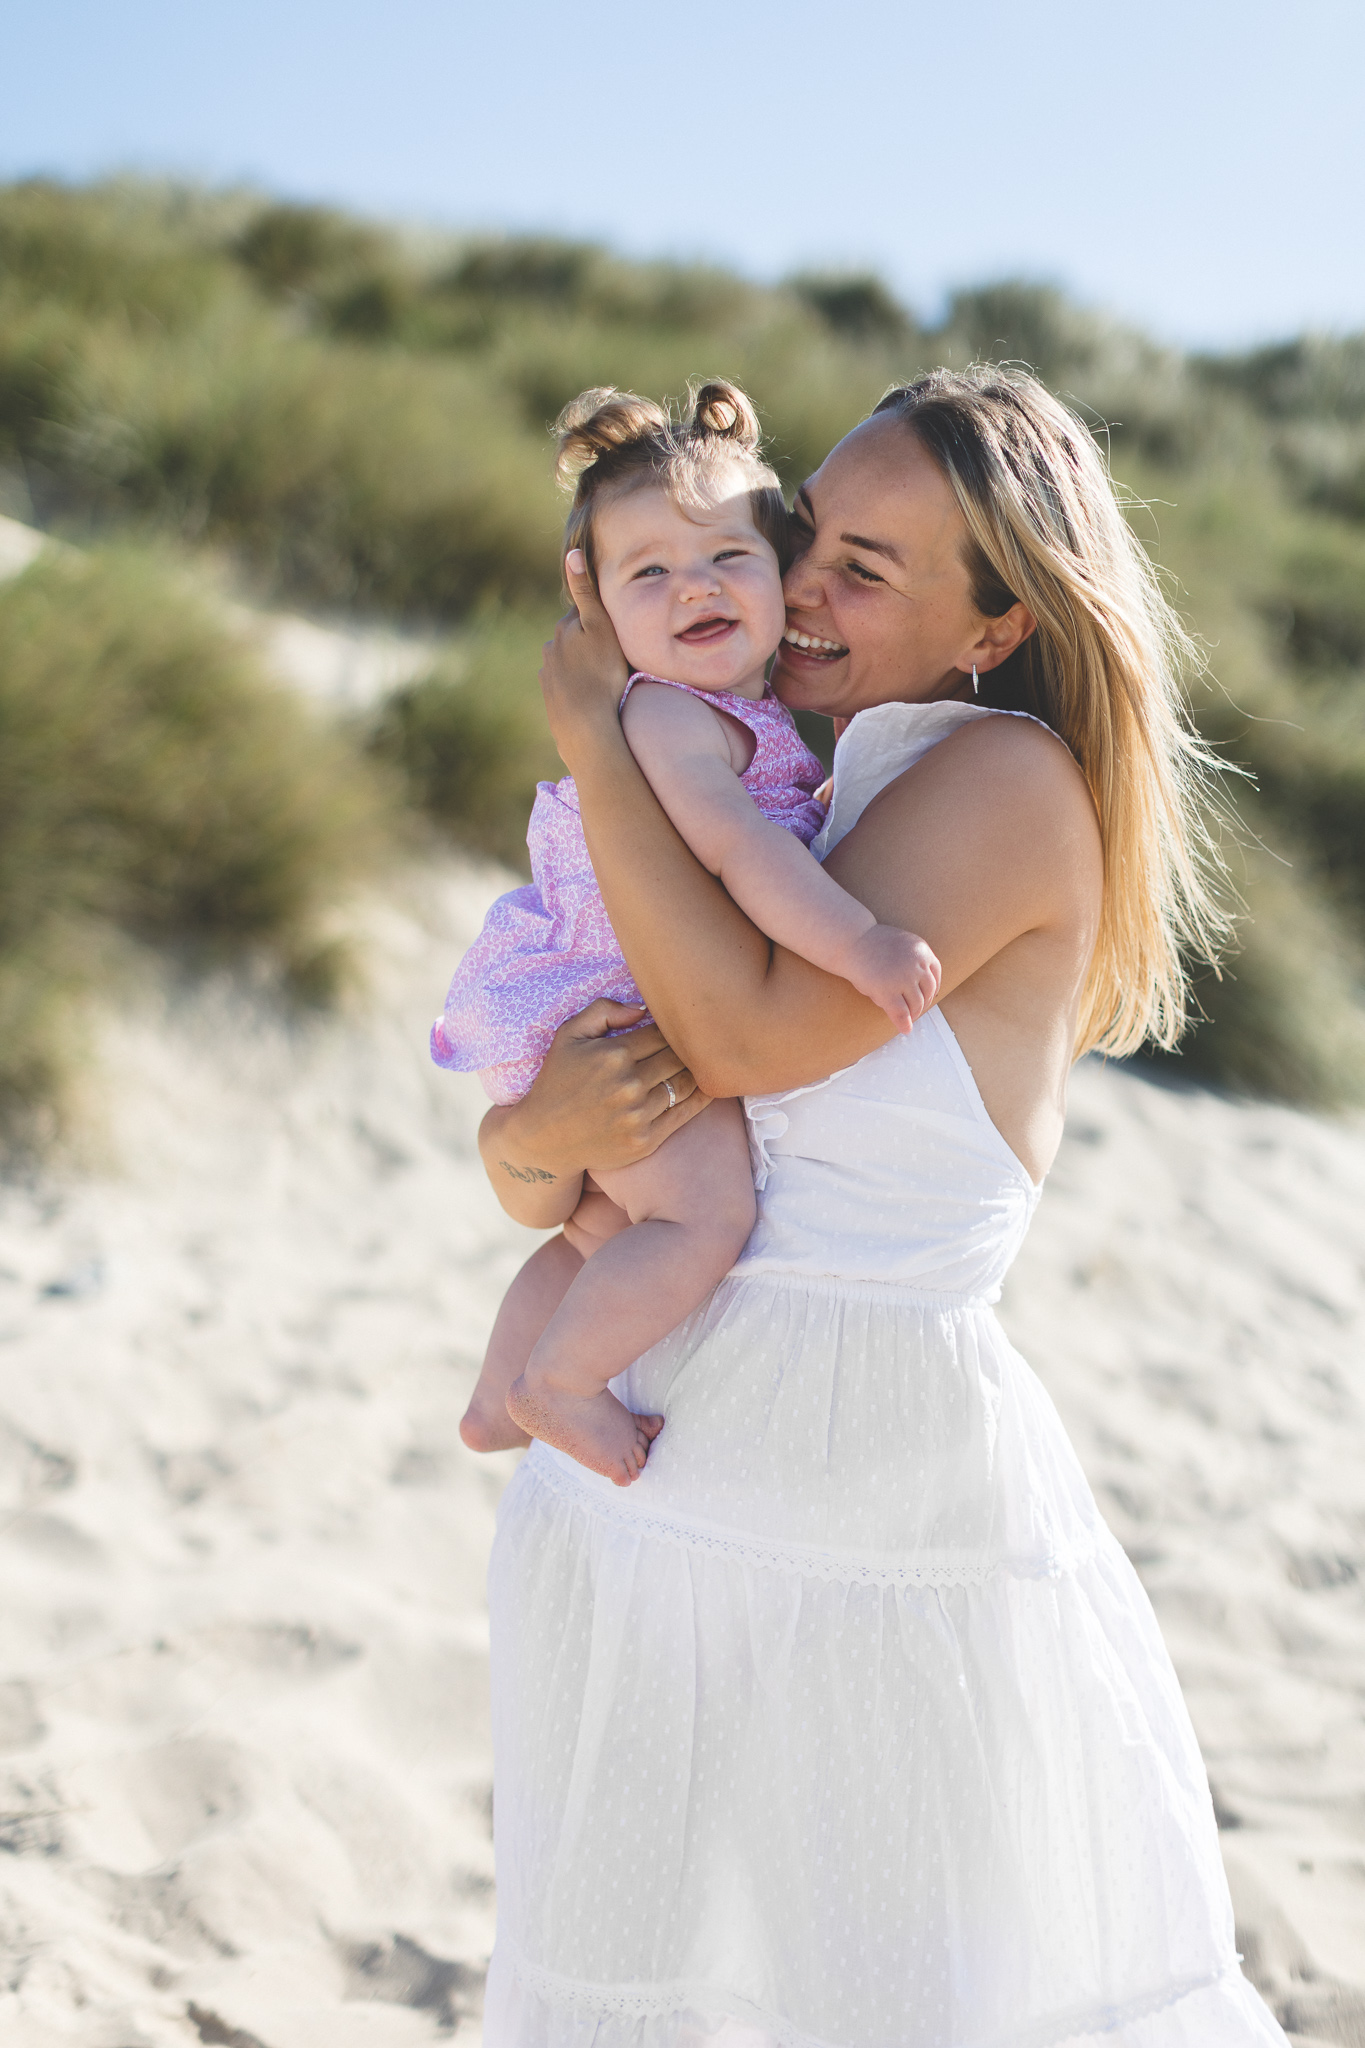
(1198, 165)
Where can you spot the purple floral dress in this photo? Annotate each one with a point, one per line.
(547, 950)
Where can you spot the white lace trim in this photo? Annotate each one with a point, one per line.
(804, 1560)
(657, 2001)
(838, 1287)
(1083, 2023)
(650, 2001)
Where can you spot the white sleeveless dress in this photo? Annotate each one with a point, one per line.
(849, 1724)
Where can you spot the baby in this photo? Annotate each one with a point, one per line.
(684, 531)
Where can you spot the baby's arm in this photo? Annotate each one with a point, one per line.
(688, 756)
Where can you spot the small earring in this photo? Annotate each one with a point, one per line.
(976, 687)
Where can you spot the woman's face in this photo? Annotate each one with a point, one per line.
(879, 587)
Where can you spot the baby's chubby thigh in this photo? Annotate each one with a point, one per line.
(699, 1179)
(596, 1220)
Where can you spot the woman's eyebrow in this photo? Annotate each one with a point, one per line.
(853, 540)
(873, 547)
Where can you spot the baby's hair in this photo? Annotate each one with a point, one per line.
(612, 443)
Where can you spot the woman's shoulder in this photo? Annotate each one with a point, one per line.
(898, 757)
(1035, 760)
(1015, 781)
(1005, 796)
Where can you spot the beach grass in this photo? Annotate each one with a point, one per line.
(156, 789)
(470, 740)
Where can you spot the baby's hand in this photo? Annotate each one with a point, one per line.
(896, 970)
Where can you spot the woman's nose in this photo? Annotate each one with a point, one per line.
(801, 586)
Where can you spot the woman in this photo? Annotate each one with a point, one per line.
(849, 1723)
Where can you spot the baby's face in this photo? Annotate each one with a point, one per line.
(695, 596)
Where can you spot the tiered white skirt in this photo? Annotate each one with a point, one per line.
(849, 1724)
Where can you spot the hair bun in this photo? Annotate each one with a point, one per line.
(598, 421)
(721, 410)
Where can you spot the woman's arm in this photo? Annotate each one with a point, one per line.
(596, 1102)
(970, 848)
(686, 754)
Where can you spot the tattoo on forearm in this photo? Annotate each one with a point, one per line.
(528, 1173)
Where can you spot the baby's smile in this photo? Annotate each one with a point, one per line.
(708, 631)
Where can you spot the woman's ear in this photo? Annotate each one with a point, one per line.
(1000, 638)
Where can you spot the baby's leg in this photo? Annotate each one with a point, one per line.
(527, 1306)
(596, 1219)
(691, 1206)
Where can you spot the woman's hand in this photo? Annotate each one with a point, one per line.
(596, 1102)
(584, 671)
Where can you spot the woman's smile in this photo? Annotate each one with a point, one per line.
(812, 645)
(807, 667)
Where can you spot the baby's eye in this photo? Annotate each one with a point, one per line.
(654, 569)
(729, 554)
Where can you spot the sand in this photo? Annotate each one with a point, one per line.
(1192, 1294)
(243, 1655)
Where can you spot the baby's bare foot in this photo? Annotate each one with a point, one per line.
(593, 1428)
(487, 1426)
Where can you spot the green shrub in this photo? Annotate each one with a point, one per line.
(525, 267)
(859, 307)
(117, 249)
(152, 784)
(1287, 1017)
(332, 474)
(471, 741)
(1314, 376)
(294, 248)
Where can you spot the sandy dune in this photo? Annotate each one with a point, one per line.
(242, 1682)
(1193, 1296)
(242, 1701)
(343, 664)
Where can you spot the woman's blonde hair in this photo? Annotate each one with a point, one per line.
(1106, 669)
(611, 442)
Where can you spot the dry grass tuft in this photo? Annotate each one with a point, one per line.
(155, 788)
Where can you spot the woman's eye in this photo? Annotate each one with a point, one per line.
(863, 575)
